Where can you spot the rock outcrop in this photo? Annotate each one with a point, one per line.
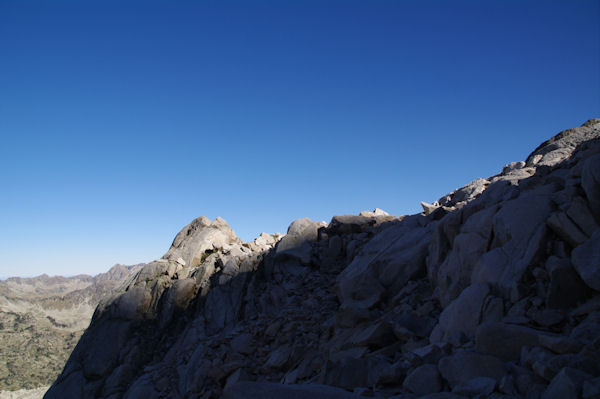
(492, 292)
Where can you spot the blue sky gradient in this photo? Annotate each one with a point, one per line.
(121, 121)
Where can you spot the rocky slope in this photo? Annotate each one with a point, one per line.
(41, 320)
(492, 292)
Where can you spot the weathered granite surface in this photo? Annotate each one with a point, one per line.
(492, 292)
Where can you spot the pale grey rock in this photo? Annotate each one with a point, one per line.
(465, 193)
(514, 176)
(269, 390)
(463, 315)
(505, 340)
(331, 256)
(443, 395)
(464, 366)
(560, 147)
(586, 260)
(300, 231)
(243, 343)
(350, 316)
(266, 240)
(454, 274)
(507, 385)
(548, 317)
(141, 388)
(591, 389)
(590, 182)
(69, 386)
(414, 324)
(566, 384)
(554, 262)
(296, 244)
(590, 306)
(351, 372)
(237, 376)
(566, 288)
(133, 304)
(351, 224)
(388, 261)
(580, 214)
(279, 357)
(152, 270)
(559, 344)
(378, 334)
(477, 386)
(181, 293)
(587, 331)
(566, 229)
(520, 235)
(547, 365)
(513, 166)
(356, 352)
(200, 237)
(432, 353)
(284, 323)
(358, 287)
(534, 160)
(375, 213)
(429, 208)
(493, 310)
(423, 380)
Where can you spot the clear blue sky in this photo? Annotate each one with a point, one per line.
(121, 121)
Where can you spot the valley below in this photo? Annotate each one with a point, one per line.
(41, 321)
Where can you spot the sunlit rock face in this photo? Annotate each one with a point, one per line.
(493, 291)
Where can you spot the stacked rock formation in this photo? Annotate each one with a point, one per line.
(492, 292)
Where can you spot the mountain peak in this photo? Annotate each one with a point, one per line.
(494, 287)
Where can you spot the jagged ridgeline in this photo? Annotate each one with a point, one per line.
(493, 291)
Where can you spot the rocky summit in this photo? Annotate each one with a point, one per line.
(492, 292)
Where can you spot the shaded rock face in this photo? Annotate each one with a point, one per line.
(41, 320)
(491, 292)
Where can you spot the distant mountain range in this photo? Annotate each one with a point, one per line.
(42, 318)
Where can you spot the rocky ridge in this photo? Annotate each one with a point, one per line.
(41, 320)
(492, 292)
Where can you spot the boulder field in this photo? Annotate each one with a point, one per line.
(492, 292)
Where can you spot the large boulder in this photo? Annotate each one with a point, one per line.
(462, 367)
(505, 340)
(200, 238)
(133, 304)
(465, 194)
(586, 260)
(352, 372)
(386, 263)
(296, 244)
(566, 288)
(463, 315)
(566, 384)
(269, 390)
(590, 181)
(519, 231)
(423, 380)
(560, 147)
